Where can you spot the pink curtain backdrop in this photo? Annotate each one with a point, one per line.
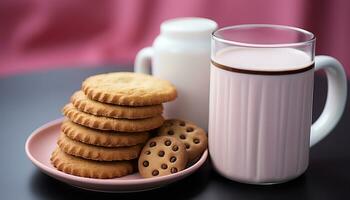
(36, 34)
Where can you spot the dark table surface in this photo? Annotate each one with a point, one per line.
(30, 100)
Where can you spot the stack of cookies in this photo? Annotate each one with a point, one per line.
(108, 122)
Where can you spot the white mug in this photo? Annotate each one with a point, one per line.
(181, 55)
(261, 91)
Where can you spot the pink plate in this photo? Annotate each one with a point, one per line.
(42, 142)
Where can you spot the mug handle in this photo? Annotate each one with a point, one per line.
(143, 61)
(336, 98)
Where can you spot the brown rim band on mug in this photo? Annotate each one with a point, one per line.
(245, 71)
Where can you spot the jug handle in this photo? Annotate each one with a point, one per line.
(143, 61)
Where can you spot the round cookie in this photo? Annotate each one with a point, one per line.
(105, 123)
(194, 137)
(87, 151)
(84, 104)
(89, 168)
(162, 156)
(102, 138)
(126, 88)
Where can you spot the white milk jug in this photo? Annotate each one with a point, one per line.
(181, 55)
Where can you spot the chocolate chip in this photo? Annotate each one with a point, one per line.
(182, 137)
(173, 170)
(167, 143)
(152, 144)
(170, 132)
(164, 166)
(187, 146)
(161, 153)
(196, 141)
(147, 152)
(182, 123)
(145, 163)
(175, 148)
(155, 172)
(173, 159)
(189, 129)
